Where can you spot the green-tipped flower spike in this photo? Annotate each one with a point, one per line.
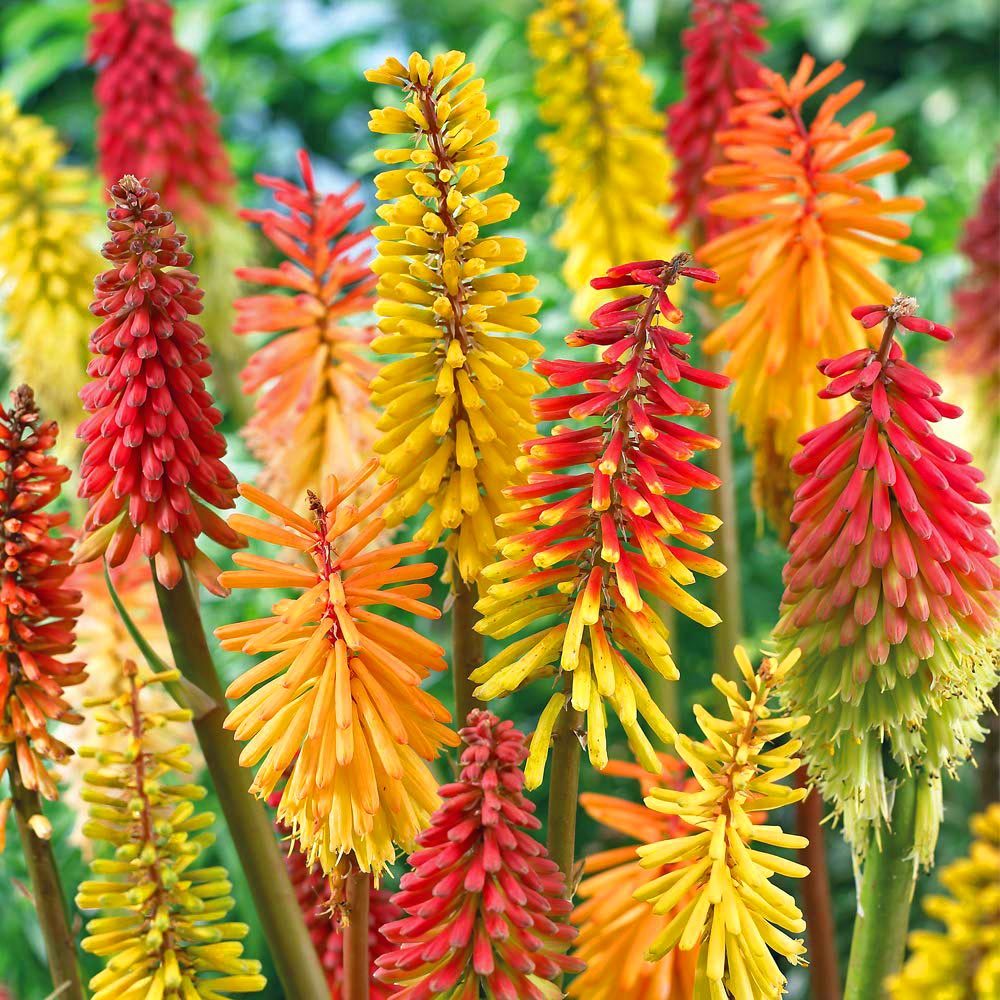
(161, 929)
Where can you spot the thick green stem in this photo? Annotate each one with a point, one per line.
(253, 833)
(357, 961)
(47, 895)
(879, 941)
(466, 647)
(564, 785)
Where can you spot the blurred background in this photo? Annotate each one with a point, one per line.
(285, 74)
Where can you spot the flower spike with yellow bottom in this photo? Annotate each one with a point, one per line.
(338, 702)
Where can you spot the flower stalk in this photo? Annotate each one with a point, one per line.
(564, 790)
(466, 647)
(357, 961)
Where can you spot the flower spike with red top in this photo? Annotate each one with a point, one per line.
(890, 586)
(153, 465)
(486, 908)
(593, 546)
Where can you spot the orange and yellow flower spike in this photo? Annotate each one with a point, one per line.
(610, 166)
(457, 404)
(814, 229)
(338, 704)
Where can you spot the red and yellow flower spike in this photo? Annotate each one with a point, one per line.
(592, 546)
(610, 168)
(338, 702)
(813, 230)
(457, 406)
(314, 416)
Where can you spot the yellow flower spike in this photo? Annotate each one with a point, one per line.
(456, 407)
(163, 930)
(610, 165)
(733, 912)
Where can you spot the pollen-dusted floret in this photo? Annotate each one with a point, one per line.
(733, 911)
(338, 704)
(162, 928)
(457, 405)
(314, 416)
(487, 911)
(596, 538)
(890, 586)
(813, 229)
(153, 465)
(610, 168)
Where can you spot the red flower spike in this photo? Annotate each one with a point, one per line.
(721, 46)
(143, 77)
(38, 611)
(487, 908)
(153, 464)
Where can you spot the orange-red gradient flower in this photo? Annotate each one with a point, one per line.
(314, 417)
(338, 699)
(802, 261)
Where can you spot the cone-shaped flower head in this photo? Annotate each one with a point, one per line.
(162, 931)
(962, 961)
(813, 230)
(599, 535)
(47, 266)
(486, 908)
(153, 464)
(610, 168)
(155, 120)
(890, 586)
(338, 699)
(314, 417)
(616, 929)
(721, 45)
(457, 406)
(734, 912)
(38, 609)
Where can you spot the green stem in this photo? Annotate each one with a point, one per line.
(665, 693)
(879, 941)
(253, 833)
(47, 894)
(466, 647)
(357, 961)
(564, 785)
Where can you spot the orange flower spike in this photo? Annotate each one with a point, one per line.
(337, 704)
(802, 259)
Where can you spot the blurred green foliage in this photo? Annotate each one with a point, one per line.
(289, 73)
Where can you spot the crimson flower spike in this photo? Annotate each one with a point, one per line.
(890, 586)
(153, 464)
(487, 911)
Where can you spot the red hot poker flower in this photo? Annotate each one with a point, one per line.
(153, 460)
(721, 46)
(38, 610)
(487, 908)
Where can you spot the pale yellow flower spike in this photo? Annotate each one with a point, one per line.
(610, 165)
(719, 885)
(456, 404)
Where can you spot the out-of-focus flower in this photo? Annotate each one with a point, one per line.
(339, 704)
(962, 961)
(616, 929)
(598, 534)
(38, 609)
(721, 45)
(47, 267)
(486, 908)
(813, 229)
(734, 913)
(162, 931)
(458, 406)
(610, 168)
(153, 463)
(890, 586)
(314, 417)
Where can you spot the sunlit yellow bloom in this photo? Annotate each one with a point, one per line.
(610, 165)
(162, 930)
(734, 913)
(337, 703)
(457, 404)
